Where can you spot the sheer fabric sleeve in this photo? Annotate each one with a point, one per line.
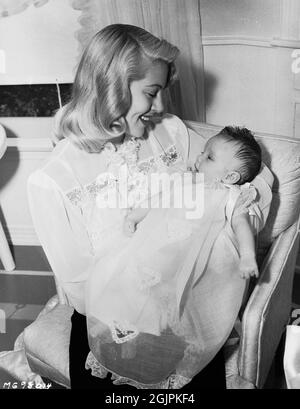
(196, 144)
(62, 234)
(181, 134)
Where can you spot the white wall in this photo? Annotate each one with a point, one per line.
(28, 146)
(248, 73)
(39, 45)
(240, 17)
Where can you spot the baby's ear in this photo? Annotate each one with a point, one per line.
(232, 177)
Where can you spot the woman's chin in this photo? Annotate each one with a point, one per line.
(137, 132)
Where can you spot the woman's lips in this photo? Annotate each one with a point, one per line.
(145, 120)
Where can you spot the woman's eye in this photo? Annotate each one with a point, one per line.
(151, 95)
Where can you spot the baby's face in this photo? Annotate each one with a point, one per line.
(217, 160)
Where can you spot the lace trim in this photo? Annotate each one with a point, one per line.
(78, 196)
(170, 156)
(127, 153)
(122, 332)
(174, 381)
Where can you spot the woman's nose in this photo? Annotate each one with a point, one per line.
(157, 104)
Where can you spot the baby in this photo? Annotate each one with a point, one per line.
(150, 299)
(232, 157)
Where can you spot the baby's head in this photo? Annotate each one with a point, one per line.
(232, 156)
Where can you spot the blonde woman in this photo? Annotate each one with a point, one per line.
(115, 119)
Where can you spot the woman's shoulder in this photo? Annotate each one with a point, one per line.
(51, 165)
(171, 123)
(58, 149)
(171, 130)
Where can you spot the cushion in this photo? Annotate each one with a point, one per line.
(282, 155)
(46, 343)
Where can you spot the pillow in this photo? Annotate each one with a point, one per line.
(282, 156)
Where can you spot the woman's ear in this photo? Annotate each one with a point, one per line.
(232, 177)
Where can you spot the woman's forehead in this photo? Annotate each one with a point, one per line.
(157, 74)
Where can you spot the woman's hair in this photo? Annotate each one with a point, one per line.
(101, 98)
(248, 151)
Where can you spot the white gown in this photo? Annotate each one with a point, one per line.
(142, 304)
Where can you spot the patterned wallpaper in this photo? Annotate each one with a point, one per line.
(32, 100)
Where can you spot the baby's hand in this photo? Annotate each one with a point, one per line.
(129, 227)
(248, 266)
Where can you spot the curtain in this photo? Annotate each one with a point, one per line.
(178, 21)
(9, 7)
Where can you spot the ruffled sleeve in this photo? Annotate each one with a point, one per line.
(245, 203)
(253, 199)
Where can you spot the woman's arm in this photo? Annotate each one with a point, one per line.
(62, 235)
(245, 238)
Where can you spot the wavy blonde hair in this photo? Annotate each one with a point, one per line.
(101, 98)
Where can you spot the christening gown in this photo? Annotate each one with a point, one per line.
(143, 311)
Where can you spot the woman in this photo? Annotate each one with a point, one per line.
(117, 97)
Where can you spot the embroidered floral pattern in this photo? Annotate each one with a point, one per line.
(75, 196)
(78, 195)
(146, 166)
(170, 156)
(127, 154)
(96, 187)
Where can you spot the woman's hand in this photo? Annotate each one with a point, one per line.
(248, 266)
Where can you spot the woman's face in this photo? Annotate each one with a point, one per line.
(146, 99)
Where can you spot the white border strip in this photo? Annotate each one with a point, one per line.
(27, 273)
(250, 41)
(29, 145)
